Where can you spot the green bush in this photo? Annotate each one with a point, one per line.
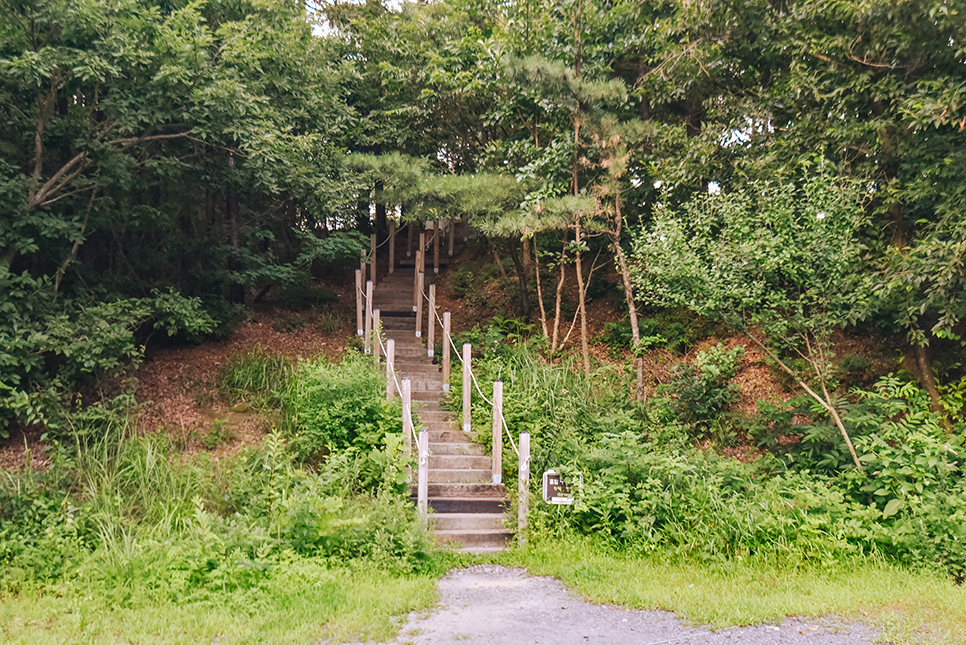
(331, 407)
(700, 392)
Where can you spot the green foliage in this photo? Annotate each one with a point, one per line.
(701, 391)
(256, 377)
(150, 527)
(299, 296)
(331, 407)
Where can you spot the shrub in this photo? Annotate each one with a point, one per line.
(700, 392)
(332, 407)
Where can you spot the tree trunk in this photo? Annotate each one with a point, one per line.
(521, 277)
(616, 233)
(559, 296)
(581, 303)
(543, 309)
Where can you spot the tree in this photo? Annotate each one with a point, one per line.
(778, 260)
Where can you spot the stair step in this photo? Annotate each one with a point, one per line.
(454, 448)
(467, 505)
(468, 522)
(439, 462)
(437, 416)
(447, 436)
(472, 539)
(459, 475)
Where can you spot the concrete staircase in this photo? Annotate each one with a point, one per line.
(467, 507)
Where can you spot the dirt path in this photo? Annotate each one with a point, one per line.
(494, 605)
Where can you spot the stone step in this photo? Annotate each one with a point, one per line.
(473, 539)
(468, 521)
(459, 475)
(465, 448)
(440, 462)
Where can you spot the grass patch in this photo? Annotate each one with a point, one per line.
(908, 606)
(304, 602)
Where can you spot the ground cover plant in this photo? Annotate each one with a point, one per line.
(125, 535)
(649, 487)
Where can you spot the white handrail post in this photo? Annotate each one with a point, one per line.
(497, 432)
(372, 258)
(392, 245)
(419, 305)
(446, 342)
(467, 383)
(376, 336)
(407, 414)
(390, 368)
(431, 339)
(523, 490)
(422, 490)
(358, 302)
(435, 246)
(367, 342)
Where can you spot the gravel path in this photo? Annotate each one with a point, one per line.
(495, 605)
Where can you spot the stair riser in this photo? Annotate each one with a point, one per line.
(443, 506)
(451, 462)
(483, 540)
(441, 476)
(469, 449)
(468, 522)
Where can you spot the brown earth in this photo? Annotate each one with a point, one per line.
(177, 392)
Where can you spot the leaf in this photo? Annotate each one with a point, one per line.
(891, 508)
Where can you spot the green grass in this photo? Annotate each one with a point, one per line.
(302, 603)
(908, 606)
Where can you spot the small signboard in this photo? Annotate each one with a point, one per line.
(556, 490)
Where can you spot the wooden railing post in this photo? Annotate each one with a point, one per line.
(390, 368)
(436, 240)
(376, 345)
(362, 264)
(446, 346)
(467, 385)
(372, 258)
(392, 245)
(452, 237)
(422, 486)
(416, 281)
(431, 336)
(497, 432)
(422, 256)
(358, 302)
(523, 490)
(407, 415)
(409, 240)
(419, 305)
(367, 341)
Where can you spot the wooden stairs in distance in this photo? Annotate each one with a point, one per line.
(467, 508)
